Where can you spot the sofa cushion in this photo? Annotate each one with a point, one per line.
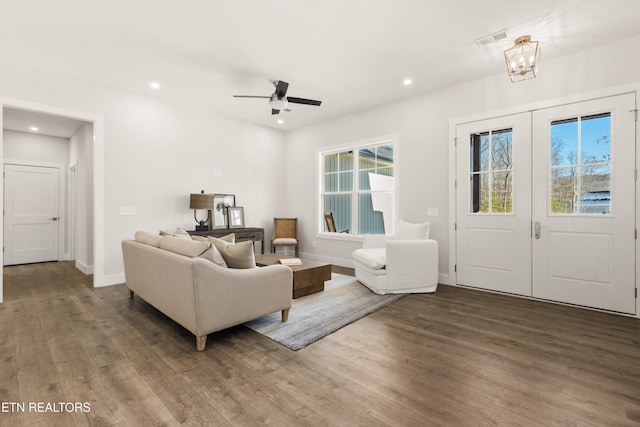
(374, 258)
(190, 248)
(410, 231)
(199, 238)
(178, 232)
(148, 238)
(236, 255)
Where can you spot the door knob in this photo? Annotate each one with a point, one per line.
(536, 229)
(55, 218)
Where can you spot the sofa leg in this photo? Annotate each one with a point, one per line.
(285, 315)
(131, 293)
(201, 342)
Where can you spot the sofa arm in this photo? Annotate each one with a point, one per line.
(374, 241)
(411, 258)
(227, 297)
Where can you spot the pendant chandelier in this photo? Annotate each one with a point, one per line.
(523, 59)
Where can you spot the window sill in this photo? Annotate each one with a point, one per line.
(340, 236)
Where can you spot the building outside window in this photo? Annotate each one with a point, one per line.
(358, 189)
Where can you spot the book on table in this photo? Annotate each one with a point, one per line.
(291, 261)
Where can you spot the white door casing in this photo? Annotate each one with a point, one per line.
(31, 220)
(586, 258)
(493, 248)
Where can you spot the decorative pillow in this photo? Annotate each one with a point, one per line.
(179, 232)
(229, 238)
(190, 248)
(236, 255)
(410, 231)
(200, 238)
(213, 254)
(148, 238)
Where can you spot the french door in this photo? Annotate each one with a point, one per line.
(572, 204)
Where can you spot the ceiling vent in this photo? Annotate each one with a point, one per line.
(491, 38)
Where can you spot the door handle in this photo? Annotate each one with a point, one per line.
(55, 218)
(536, 229)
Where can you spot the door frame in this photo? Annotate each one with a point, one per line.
(587, 96)
(64, 253)
(99, 278)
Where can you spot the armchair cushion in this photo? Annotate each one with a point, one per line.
(373, 258)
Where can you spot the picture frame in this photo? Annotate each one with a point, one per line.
(221, 202)
(236, 217)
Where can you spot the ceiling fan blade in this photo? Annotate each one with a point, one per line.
(273, 111)
(250, 96)
(303, 101)
(281, 88)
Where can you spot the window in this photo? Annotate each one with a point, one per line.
(492, 172)
(358, 188)
(580, 157)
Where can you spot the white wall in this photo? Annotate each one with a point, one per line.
(156, 152)
(81, 158)
(32, 147)
(422, 124)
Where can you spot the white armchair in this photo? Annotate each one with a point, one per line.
(404, 263)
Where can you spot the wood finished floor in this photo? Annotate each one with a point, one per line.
(458, 357)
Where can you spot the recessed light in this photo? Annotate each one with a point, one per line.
(34, 128)
(280, 121)
(407, 82)
(154, 85)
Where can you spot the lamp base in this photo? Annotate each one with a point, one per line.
(202, 228)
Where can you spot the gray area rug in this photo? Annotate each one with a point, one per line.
(314, 316)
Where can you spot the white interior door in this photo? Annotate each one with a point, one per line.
(584, 204)
(493, 218)
(31, 214)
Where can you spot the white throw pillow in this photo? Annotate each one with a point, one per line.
(410, 231)
(213, 254)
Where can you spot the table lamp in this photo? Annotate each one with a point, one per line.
(201, 201)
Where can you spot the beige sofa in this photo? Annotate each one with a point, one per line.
(201, 296)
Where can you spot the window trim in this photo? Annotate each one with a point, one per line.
(390, 139)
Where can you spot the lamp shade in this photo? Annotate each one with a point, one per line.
(201, 201)
(523, 59)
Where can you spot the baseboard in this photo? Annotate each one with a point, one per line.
(86, 269)
(112, 279)
(443, 279)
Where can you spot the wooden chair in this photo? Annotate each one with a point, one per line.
(285, 233)
(331, 223)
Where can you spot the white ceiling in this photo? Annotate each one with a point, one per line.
(351, 54)
(22, 121)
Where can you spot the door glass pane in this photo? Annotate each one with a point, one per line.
(595, 194)
(564, 182)
(564, 142)
(596, 139)
(580, 165)
(491, 177)
(501, 192)
(501, 149)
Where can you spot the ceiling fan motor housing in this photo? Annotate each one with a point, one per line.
(278, 103)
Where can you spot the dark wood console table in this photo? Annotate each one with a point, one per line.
(254, 234)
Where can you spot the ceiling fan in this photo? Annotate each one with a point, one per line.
(279, 100)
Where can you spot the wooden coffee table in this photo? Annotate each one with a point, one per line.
(308, 278)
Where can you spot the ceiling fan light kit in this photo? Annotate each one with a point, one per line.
(523, 59)
(279, 101)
